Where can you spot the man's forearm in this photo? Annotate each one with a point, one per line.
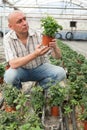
(21, 61)
(56, 53)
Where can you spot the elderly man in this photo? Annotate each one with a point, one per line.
(27, 57)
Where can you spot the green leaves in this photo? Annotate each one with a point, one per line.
(2, 70)
(37, 98)
(57, 95)
(50, 26)
(10, 94)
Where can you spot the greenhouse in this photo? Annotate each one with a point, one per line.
(38, 76)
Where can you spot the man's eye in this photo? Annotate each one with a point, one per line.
(19, 21)
(24, 18)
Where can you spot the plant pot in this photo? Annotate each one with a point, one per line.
(55, 111)
(9, 108)
(46, 40)
(85, 125)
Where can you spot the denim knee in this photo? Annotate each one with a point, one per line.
(10, 76)
(62, 75)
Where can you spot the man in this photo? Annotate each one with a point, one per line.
(26, 55)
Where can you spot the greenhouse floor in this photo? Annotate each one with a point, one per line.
(79, 46)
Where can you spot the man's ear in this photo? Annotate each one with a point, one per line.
(9, 25)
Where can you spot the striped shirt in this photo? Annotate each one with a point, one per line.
(15, 48)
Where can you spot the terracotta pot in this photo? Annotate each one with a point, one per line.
(55, 111)
(85, 125)
(9, 108)
(46, 40)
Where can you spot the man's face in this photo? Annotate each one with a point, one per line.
(18, 23)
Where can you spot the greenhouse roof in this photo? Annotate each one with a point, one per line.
(35, 8)
(27, 5)
(82, 3)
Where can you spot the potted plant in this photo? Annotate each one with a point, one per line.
(83, 118)
(50, 27)
(37, 99)
(8, 121)
(33, 122)
(13, 121)
(57, 97)
(10, 93)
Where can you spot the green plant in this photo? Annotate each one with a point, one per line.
(83, 116)
(50, 26)
(83, 103)
(10, 93)
(67, 109)
(80, 58)
(23, 105)
(57, 95)
(37, 98)
(83, 113)
(24, 118)
(13, 121)
(33, 123)
(8, 121)
(84, 71)
(2, 70)
(75, 91)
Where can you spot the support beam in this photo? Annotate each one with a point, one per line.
(10, 4)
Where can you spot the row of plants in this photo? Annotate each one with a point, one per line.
(76, 85)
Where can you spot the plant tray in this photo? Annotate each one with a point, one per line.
(51, 122)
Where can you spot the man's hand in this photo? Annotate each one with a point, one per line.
(41, 50)
(56, 53)
(53, 44)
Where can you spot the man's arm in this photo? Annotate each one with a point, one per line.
(56, 52)
(20, 61)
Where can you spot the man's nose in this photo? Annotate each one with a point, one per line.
(24, 22)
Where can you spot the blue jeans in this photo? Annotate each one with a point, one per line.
(43, 74)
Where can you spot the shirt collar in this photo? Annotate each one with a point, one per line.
(14, 36)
